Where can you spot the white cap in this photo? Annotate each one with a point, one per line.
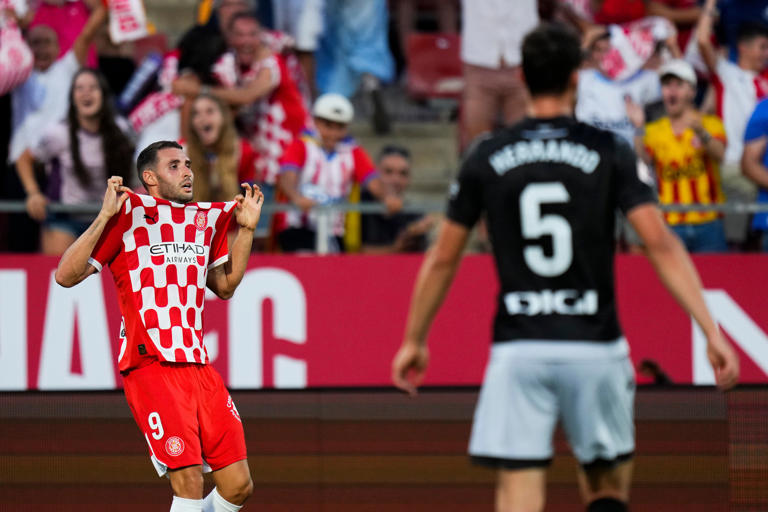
(333, 107)
(680, 69)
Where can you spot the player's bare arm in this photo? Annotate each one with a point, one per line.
(676, 271)
(223, 280)
(73, 265)
(432, 284)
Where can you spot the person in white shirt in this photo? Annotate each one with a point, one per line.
(602, 102)
(491, 35)
(43, 98)
(738, 87)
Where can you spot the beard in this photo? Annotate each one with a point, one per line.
(173, 193)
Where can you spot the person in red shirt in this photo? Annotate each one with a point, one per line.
(320, 168)
(163, 250)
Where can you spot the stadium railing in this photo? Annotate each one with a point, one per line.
(324, 212)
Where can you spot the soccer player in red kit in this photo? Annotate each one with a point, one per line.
(163, 250)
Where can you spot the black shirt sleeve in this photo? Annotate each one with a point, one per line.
(633, 179)
(465, 200)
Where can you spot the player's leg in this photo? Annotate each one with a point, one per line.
(223, 444)
(597, 400)
(605, 488)
(187, 482)
(479, 103)
(522, 490)
(233, 487)
(513, 425)
(514, 94)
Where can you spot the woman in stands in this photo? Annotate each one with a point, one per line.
(91, 145)
(220, 158)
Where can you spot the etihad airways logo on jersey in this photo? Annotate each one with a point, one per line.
(177, 252)
(555, 151)
(547, 302)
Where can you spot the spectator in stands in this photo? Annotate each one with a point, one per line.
(739, 87)
(220, 157)
(320, 168)
(732, 16)
(491, 35)
(90, 146)
(685, 148)
(602, 101)
(399, 232)
(42, 99)
(67, 19)
(303, 21)
(353, 53)
(754, 164)
(255, 80)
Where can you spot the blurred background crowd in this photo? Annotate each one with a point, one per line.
(335, 101)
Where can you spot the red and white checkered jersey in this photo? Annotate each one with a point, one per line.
(273, 122)
(332, 173)
(159, 253)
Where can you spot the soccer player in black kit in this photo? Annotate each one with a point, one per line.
(550, 187)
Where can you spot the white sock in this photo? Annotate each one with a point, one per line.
(215, 503)
(186, 505)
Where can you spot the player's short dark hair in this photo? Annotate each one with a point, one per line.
(148, 156)
(750, 30)
(551, 53)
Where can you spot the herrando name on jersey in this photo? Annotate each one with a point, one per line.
(547, 302)
(556, 151)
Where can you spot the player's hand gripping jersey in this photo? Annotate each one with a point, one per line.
(550, 189)
(159, 253)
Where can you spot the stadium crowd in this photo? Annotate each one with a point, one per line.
(261, 93)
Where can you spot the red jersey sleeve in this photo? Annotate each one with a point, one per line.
(294, 157)
(364, 168)
(219, 248)
(111, 240)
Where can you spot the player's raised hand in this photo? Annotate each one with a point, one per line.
(248, 209)
(409, 365)
(114, 197)
(724, 361)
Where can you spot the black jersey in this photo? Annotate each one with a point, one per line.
(550, 189)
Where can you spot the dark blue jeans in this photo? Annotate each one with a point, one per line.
(706, 237)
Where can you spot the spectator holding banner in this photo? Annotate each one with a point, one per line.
(686, 148)
(90, 146)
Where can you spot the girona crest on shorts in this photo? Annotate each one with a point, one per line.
(174, 446)
(201, 220)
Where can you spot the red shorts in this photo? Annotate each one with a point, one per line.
(186, 414)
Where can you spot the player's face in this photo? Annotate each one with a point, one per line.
(207, 120)
(245, 39)
(174, 175)
(395, 173)
(331, 132)
(676, 94)
(87, 96)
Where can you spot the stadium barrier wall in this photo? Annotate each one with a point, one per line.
(336, 321)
